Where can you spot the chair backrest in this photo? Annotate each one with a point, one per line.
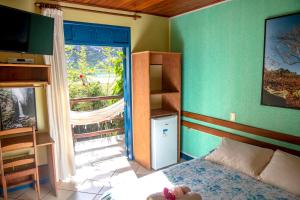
(17, 139)
(15, 131)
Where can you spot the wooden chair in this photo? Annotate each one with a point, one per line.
(19, 170)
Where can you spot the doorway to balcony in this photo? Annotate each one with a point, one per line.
(99, 63)
(99, 77)
(95, 80)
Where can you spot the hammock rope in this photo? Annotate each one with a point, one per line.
(97, 116)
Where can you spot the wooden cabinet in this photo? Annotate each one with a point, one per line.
(24, 75)
(156, 91)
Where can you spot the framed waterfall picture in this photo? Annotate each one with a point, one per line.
(281, 68)
(17, 108)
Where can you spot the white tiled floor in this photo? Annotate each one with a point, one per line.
(101, 165)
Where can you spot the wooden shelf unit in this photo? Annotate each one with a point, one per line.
(161, 113)
(29, 83)
(24, 75)
(161, 92)
(23, 65)
(156, 92)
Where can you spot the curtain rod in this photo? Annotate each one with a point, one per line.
(56, 6)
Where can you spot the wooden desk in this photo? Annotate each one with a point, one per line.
(44, 139)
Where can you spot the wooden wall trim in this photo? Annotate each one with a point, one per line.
(244, 128)
(239, 138)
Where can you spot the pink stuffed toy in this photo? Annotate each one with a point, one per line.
(168, 194)
(176, 192)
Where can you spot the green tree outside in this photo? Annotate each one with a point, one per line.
(94, 71)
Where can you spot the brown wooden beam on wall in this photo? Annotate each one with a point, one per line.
(244, 128)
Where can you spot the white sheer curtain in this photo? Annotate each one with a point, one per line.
(58, 99)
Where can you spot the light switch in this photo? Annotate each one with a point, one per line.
(232, 117)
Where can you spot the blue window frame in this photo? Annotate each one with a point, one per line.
(79, 33)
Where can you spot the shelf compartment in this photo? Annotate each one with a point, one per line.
(162, 112)
(29, 83)
(163, 92)
(155, 77)
(22, 65)
(156, 59)
(24, 75)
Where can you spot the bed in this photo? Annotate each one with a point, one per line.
(214, 181)
(211, 180)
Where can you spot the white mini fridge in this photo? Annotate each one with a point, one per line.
(163, 141)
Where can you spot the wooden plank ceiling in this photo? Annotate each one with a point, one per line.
(166, 8)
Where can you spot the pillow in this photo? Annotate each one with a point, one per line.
(283, 171)
(246, 158)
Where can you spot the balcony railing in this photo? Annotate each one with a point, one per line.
(102, 129)
(93, 99)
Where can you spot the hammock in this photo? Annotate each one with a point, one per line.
(96, 116)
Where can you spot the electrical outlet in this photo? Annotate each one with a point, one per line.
(232, 117)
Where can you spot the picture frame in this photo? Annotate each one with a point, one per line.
(281, 62)
(17, 108)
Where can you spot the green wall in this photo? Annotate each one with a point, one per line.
(222, 50)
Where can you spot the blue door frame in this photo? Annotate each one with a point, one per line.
(78, 33)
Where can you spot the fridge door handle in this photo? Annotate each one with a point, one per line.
(165, 132)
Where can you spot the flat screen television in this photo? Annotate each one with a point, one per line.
(25, 32)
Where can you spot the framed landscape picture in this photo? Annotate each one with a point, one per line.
(281, 69)
(17, 108)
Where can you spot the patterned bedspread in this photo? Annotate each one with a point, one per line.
(210, 180)
(215, 181)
